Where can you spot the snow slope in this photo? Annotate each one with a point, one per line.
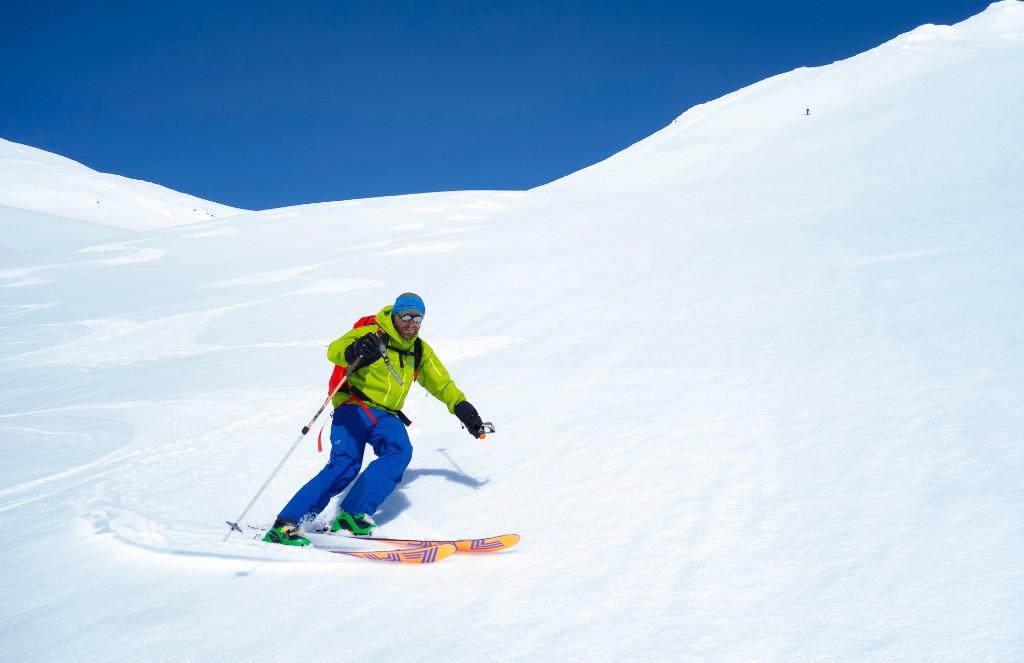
(26, 230)
(36, 186)
(757, 384)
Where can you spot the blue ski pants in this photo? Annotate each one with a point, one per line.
(351, 430)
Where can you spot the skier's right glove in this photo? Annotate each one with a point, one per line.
(470, 418)
(366, 348)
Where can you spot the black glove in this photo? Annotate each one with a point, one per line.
(366, 349)
(470, 418)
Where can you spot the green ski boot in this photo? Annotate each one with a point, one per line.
(286, 532)
(361, 525)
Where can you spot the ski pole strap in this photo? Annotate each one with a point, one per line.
(319, 439)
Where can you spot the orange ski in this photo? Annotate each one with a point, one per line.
(485, 545)
(422, 555)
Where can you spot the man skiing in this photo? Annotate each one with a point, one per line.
(368, 411)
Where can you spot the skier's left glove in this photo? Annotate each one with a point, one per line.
(470, 418)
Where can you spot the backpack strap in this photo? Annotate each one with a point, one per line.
(416, 354)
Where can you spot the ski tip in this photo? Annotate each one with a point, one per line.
(490, 544)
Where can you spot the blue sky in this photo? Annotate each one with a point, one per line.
(266, 104)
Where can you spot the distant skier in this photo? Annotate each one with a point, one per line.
(369, 412)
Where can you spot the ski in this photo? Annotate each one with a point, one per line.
(484, 545)
(416, 546)
(427, 553)
(421, 555)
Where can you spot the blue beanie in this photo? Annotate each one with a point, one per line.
(408, 301)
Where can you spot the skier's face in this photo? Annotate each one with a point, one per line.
(407, 328)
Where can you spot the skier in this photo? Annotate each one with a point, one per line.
(368, 411)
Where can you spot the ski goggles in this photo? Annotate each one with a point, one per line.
(409, 316)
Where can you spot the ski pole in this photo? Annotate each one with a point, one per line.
(305, 429)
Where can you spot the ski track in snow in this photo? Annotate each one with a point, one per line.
(18, 310)
(222, 231)
(23, 276)
(137, 255)
(64, 480)
(171, 537)
(122, 342)
(423, 247)
(896, 257)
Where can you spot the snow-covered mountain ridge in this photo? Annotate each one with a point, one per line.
(930, 88)
(757, 384)
(36, 186)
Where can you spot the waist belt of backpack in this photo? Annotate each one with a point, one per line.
(357, 396)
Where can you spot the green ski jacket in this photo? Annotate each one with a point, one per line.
(377, 382)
